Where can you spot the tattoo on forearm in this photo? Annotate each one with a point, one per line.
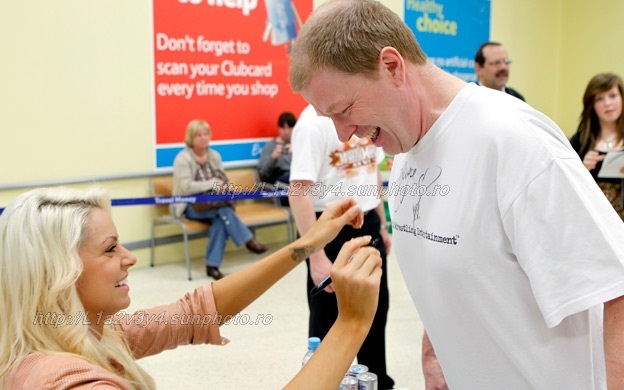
(300, 254)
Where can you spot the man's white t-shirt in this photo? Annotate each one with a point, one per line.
(338, 170)
(507, 246)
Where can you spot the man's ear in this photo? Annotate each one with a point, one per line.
(392, 64)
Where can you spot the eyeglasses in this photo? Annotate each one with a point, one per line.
(506, 61)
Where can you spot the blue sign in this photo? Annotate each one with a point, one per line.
(450, 31)
(235, 154)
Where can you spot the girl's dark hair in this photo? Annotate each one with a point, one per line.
(589, 124)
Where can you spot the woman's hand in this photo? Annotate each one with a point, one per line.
(356, 275)
(592, 158)
(336, 215)
(223, 188)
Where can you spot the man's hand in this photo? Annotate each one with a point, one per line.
(387, 240)
(613, 339)
(432, 371)
(320, 267)
(277, 152)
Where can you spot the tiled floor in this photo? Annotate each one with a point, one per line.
(264, 356)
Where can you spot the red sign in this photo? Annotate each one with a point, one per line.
(216, 60)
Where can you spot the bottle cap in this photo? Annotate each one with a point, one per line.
(313, 343)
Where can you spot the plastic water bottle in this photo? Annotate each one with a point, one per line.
(313, 343)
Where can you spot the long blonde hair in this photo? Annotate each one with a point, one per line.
(40, 234)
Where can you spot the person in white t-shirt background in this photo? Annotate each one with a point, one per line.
(509, 249)
(323, 170)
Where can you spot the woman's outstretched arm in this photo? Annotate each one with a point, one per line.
(236, 291)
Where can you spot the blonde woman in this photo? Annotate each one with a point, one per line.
(63, 283)
(198, 169)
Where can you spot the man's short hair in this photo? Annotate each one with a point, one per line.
(286, 118)
(479, 57)
(348, 35)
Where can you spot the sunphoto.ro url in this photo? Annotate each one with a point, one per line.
(321, 190)
(145, 319)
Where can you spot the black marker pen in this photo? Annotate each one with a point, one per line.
(327, 281)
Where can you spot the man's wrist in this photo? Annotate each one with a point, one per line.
(383, 226)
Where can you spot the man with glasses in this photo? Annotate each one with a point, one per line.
(492, 68)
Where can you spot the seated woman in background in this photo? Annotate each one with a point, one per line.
(64, 280)
(601, 130)
(198, 169)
